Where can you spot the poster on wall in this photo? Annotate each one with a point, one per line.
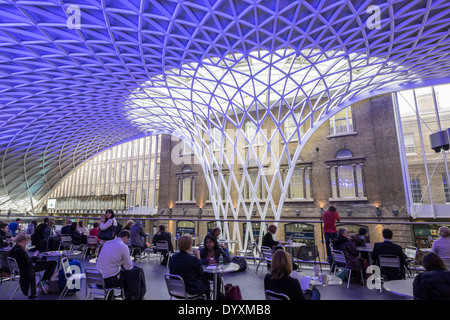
(51, 204)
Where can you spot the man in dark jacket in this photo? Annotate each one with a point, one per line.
(162, 235)
(387, 247)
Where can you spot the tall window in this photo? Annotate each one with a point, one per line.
(252, 133)
(290, 127)
(299, 185)
(446, 188)
(416, 189)
(186, 184)
(341, 122)
(346, 177)
(410, 146)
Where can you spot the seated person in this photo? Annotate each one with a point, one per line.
(434, 283)
(29, 266)
(268, 239)
(210, 254)
(279, 279)
(162, 235)
(114, 256)
(348, 248)
(387, 247)
(215, 232)
(189, 268)
(138, 237)
(77, 237)
(5, 240)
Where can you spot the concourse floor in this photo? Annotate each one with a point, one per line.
(250, 283)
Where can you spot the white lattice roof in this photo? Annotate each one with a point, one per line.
(134, 67)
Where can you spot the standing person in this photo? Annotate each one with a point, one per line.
(138, 238)
(441, 246)
(14, 226)
(329, 219)
(107, 227)
(189, 268)
(434, 283)
(162, 235)
(114, 256)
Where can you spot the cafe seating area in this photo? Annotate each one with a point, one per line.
(250, 282)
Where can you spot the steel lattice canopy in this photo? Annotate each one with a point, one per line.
(79, 77)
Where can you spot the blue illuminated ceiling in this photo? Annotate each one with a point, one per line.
(129, 68)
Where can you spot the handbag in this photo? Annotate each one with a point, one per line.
(233, 292)
(107, 234)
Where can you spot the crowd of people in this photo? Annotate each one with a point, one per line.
(116, 263)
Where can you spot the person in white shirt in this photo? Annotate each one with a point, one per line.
(114, 255)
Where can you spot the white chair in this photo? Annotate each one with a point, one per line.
(266, 257)
(92, 244)
(411, 259)
(95, 284)
(249, 251)
(177, 288)
(271, 295)
(70, 276)
(65, 242)
(15, 276)
(162, 246)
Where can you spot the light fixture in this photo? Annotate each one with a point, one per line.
(378, 211)
(200, 211)
(162, 211)
(254, 212)
(170, 211)
(297, 212)
(395, 212)
(184, 211)
(349, 212)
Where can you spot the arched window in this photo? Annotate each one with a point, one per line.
(347, 176)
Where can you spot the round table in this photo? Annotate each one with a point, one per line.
(402, 288)
(214, 269)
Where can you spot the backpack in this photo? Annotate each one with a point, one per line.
(241, 262)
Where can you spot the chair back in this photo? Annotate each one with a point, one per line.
(65, 238)
(175, 286)
(162, 245)
(389, 261)
(266, 252)
(339, 257)
(66, 267)
(411, 252)
(92, 240)
(270, 295)
(94, 278)
(13, 266)
(446, 262)
(308, 253)
(251, 246)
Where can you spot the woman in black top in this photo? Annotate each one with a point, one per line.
(279, 279)
(434, 284)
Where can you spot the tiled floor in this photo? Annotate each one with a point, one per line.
(251, 286)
